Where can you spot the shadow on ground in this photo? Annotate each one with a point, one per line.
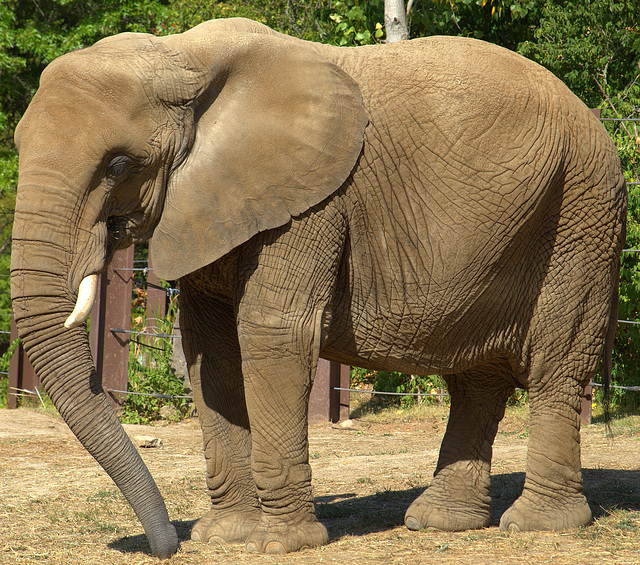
(608, 490)
(140, 544)
(605, 489)
(348, 514)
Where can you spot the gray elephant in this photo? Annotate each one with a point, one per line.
(434, 206)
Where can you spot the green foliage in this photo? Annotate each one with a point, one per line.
(356, 23)
(520, 397)
(388, 381)
(594, 48)
(300, 18)
(150, 372)
(504, 22)
(8, 167)
(182, 15)
(360, 377)
(8, 183)
(626, 353)
(4, 368)
(6, 357)
(5, 282)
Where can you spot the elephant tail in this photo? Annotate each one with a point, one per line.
(607, 363)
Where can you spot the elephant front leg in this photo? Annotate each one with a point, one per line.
(458, 497)
(552, 498)
(211, 348)
(277, 384)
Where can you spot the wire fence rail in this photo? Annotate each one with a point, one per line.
(175, 291)
(189, 397)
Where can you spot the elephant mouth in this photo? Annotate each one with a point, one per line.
(88, 288)
(119, 235)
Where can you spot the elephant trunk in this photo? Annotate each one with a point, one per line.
(62, 359)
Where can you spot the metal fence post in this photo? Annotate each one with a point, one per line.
(112, 311)
(156, 299)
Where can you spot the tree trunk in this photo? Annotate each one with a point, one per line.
(395, 20)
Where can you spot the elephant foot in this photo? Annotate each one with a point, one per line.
(230, 526)
(457, 499)
(425, 512)
(534, 513)
(277, 535)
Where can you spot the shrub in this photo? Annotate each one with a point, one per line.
(151, 373)
(389, 381)
(4, 368)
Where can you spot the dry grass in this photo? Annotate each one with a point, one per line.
(58, 507)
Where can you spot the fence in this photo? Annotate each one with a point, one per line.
(111, 336)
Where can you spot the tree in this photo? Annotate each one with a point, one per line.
(594, 48)
(395, 20)
(503, 22)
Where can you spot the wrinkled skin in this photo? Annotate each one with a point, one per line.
(434, 206)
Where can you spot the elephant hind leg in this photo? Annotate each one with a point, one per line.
(566, 337)
(458, 497)
(215, 368)
(552, 498)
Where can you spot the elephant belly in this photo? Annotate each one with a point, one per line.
(423, 328)
(419, 293)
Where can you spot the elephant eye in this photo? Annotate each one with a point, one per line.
(117, 167)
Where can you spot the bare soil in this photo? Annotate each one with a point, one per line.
(57, 505)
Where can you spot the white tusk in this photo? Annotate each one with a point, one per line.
(86, 297)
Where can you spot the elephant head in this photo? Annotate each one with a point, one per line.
(202, 140)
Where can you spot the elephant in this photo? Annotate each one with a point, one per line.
(434, 206)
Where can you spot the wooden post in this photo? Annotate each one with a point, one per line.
(326, 403)
(21, 373)
(110, 322)
(340, 377)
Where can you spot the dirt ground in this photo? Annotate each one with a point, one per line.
(57, 506)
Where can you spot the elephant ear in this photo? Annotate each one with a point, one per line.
(279, 130)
